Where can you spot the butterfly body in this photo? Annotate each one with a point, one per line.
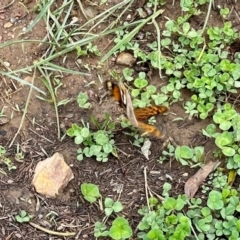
(115, 91)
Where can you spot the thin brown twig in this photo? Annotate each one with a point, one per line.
(3, 97)
(146, 186)
(160, 197)
(8, 5)
(65, 234)
(237, 14)
(120, 192)
(41, 136)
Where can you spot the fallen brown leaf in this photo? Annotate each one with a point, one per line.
(194, 182)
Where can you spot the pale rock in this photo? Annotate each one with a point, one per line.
(7, 25)
(6, 64)
(28, 79)
(126, 59)
(74, 20)
(52, 175)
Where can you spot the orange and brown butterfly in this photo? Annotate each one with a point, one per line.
(118, 92)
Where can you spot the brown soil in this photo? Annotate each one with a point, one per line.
(38, 138)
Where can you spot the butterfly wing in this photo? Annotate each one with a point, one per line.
(149, 130)
(147, 112)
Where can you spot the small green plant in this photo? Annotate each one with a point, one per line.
(191, 5)
(173, 89)
(97, 144)
(90, 192)
(143, 94)
(219, 35)
(216, 181)
(151, 3)
(128, 74)
(184, 154)
(100, 230)
(5, 160)
(167, 154)
(227, 119)
(23, 217)
(187, 156)
(140, 83)
(9, 163)
(224, 12)
(219, 180)
(111, 206)
(137, 139)
(2, 151)
(190, 108)
(88, 49)
(164, 220)
(120, 228)
(19, 156)
(82, 100)
(217, 153)
(233, 163)
(180, 218)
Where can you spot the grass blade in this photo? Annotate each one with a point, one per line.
(7, 74)
(128, 37)
(40, 15)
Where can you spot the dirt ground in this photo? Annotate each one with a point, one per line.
(38, 137)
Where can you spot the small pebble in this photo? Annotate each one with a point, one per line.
(28, 79)
(6, 64)
(74, 13)
(3, 133)
(126, 59)
(129, 17)
(69, 115)
(140, 35)
(79, 61)
(148, 10)
(74, 20)
(7, 25)
(142, 13)
(13, 20)
(18, 235)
